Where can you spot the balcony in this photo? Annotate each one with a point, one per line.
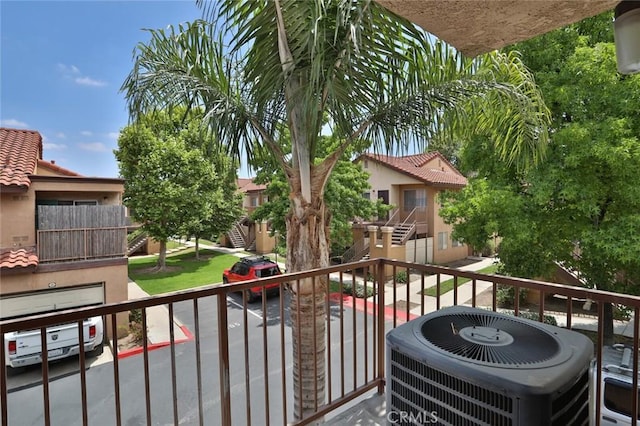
(64, 245)
(237, 367)
(75, 233)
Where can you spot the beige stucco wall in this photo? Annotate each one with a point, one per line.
(105, 193)
(383, 178)
(264, 242)
(17, 220)
(114, 277)
(451, 253)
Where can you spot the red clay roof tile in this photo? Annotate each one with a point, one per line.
(21, 258)
(19, 154)
(416, 167)
(246, 185)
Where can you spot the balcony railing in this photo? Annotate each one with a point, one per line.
(238, 367)
(59, 245)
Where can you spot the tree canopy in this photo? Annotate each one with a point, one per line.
(171, 186)
(581, 205)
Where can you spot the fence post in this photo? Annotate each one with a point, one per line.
(381, 343)
(223, 350)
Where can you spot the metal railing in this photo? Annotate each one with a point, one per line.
(237, 368)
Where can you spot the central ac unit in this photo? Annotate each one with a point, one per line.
(467, 366)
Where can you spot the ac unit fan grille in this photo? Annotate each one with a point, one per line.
(417, 388)
(491, 339)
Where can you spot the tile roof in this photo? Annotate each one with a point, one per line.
(57, 169)
(19, 154)
(247, 185)
(21, 258)
(416, 167)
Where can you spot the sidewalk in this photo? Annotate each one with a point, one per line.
(158, 332)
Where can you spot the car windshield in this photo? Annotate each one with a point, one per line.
(267, 272)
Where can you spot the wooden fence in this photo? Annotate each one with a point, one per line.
(77, 217)
(70, 233)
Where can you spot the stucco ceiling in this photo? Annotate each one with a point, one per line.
(478, 26)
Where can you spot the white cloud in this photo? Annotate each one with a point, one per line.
(60, 135)
(86, 133)
(113, 135)
(12, 122)
(54, 146)
(68, 69)
(73, 73)
(88, 81)
(93, 146)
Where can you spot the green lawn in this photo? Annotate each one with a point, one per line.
(184, 271)
(447, 286)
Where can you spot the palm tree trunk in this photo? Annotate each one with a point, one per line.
(308, 248)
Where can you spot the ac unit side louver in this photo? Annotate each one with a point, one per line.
(467, 366)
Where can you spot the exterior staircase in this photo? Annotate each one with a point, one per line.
(236, 236)
(135, 244)
(355, 253)
(402, 232)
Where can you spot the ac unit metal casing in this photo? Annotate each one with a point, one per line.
(468, 366)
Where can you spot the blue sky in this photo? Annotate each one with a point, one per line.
(62, 65)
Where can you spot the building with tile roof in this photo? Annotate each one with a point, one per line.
(411, 184)
(246, 233)
(59, 231)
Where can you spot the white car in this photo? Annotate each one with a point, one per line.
(25, 348)
(616, 387)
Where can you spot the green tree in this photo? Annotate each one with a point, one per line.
(581, 206)
(371, 75)
(163, 176)
(344, 197)
(224, 205)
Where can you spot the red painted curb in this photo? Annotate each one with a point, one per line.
(359, 304)
(139, 350)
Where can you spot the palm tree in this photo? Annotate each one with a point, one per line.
(260, 68)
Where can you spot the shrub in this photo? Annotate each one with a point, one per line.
(505, 295)
(135, 325)
(402, 277)
(361, 291)
(621, 313)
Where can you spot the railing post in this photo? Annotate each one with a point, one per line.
(381, 329)
(223, 350)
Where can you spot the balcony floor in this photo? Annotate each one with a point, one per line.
(368, 410)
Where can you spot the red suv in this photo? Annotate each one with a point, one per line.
(249, 268)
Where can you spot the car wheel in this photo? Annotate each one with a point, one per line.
(97, 351)
(225, 280)
(251, 296)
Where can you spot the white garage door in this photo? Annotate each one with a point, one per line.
(50, 300)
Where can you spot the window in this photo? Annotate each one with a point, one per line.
(456, 243)
(618, 396)
(414, 198)
(443, 240)
(254, 202)
(366, 195)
